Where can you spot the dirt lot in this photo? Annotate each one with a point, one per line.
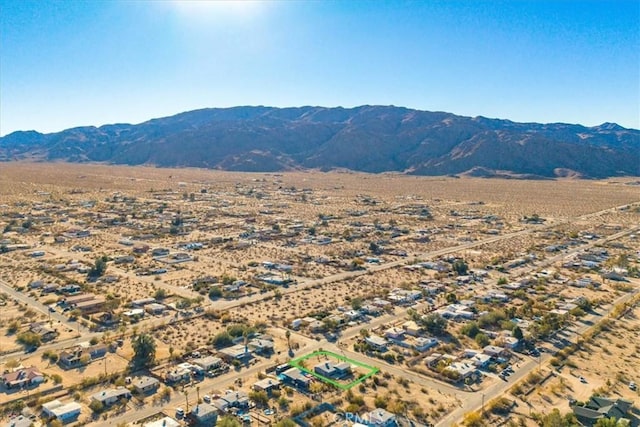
(608, 365)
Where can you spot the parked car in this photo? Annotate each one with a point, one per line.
(633, 386)
(179, 412)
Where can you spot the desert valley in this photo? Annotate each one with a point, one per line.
(165, 297)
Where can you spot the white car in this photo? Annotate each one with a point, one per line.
(179, 412)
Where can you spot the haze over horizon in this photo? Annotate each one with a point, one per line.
(65, 64)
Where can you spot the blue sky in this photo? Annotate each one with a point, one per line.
(74, 63)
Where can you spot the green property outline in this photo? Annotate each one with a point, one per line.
(372, 369)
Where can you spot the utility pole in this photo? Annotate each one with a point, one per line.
(539, 360)
(482, 405)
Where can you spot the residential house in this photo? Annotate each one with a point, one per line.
(43, 331)
(381, 417)
(64, 412)
(24, 377)
(125, 259)
(36, 284)
(510, 342)
(267, 385)
(106, 319)
(142, 302)
(316, 326)
(49, 288)
(432, 360)
(133, 314)
(92, 306)
(110, 396)
(204, 414)
(208, 363)
(601, 407)
(237, 352)
(352, 315)
(236, 399)
(371, 310)
(296, 378)
(412, 328)
(424, 344)
(495, 351)
(260, 346)
(81, 354)
(146, 385)
(155, 308)
(463, 369)
(70, 289)
(178, 374)
(333, 371)
(394, 333)
(75, 299)
(376, 342)
(480, 360)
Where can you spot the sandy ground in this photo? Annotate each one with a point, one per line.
(246, 219)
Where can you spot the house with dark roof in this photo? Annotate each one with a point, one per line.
(601, 407)
(297, 378)
(333, 371)
(43, 331)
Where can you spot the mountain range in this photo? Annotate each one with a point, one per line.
(367, 138)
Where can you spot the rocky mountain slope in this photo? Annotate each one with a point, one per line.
(366, 138)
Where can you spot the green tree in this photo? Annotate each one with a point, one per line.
(435, 323)
(556, 419)
(287, 422)
(99, 267)
(96, 406)
(261, 398)
(482, 340)
(228, 421)
(144, 348)
(517, 332)
(223, 339)
(470, 329)
(160, 294)
(460, 267)
(215, 292)
(356, 303)
(607, 422)
(29, 339)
